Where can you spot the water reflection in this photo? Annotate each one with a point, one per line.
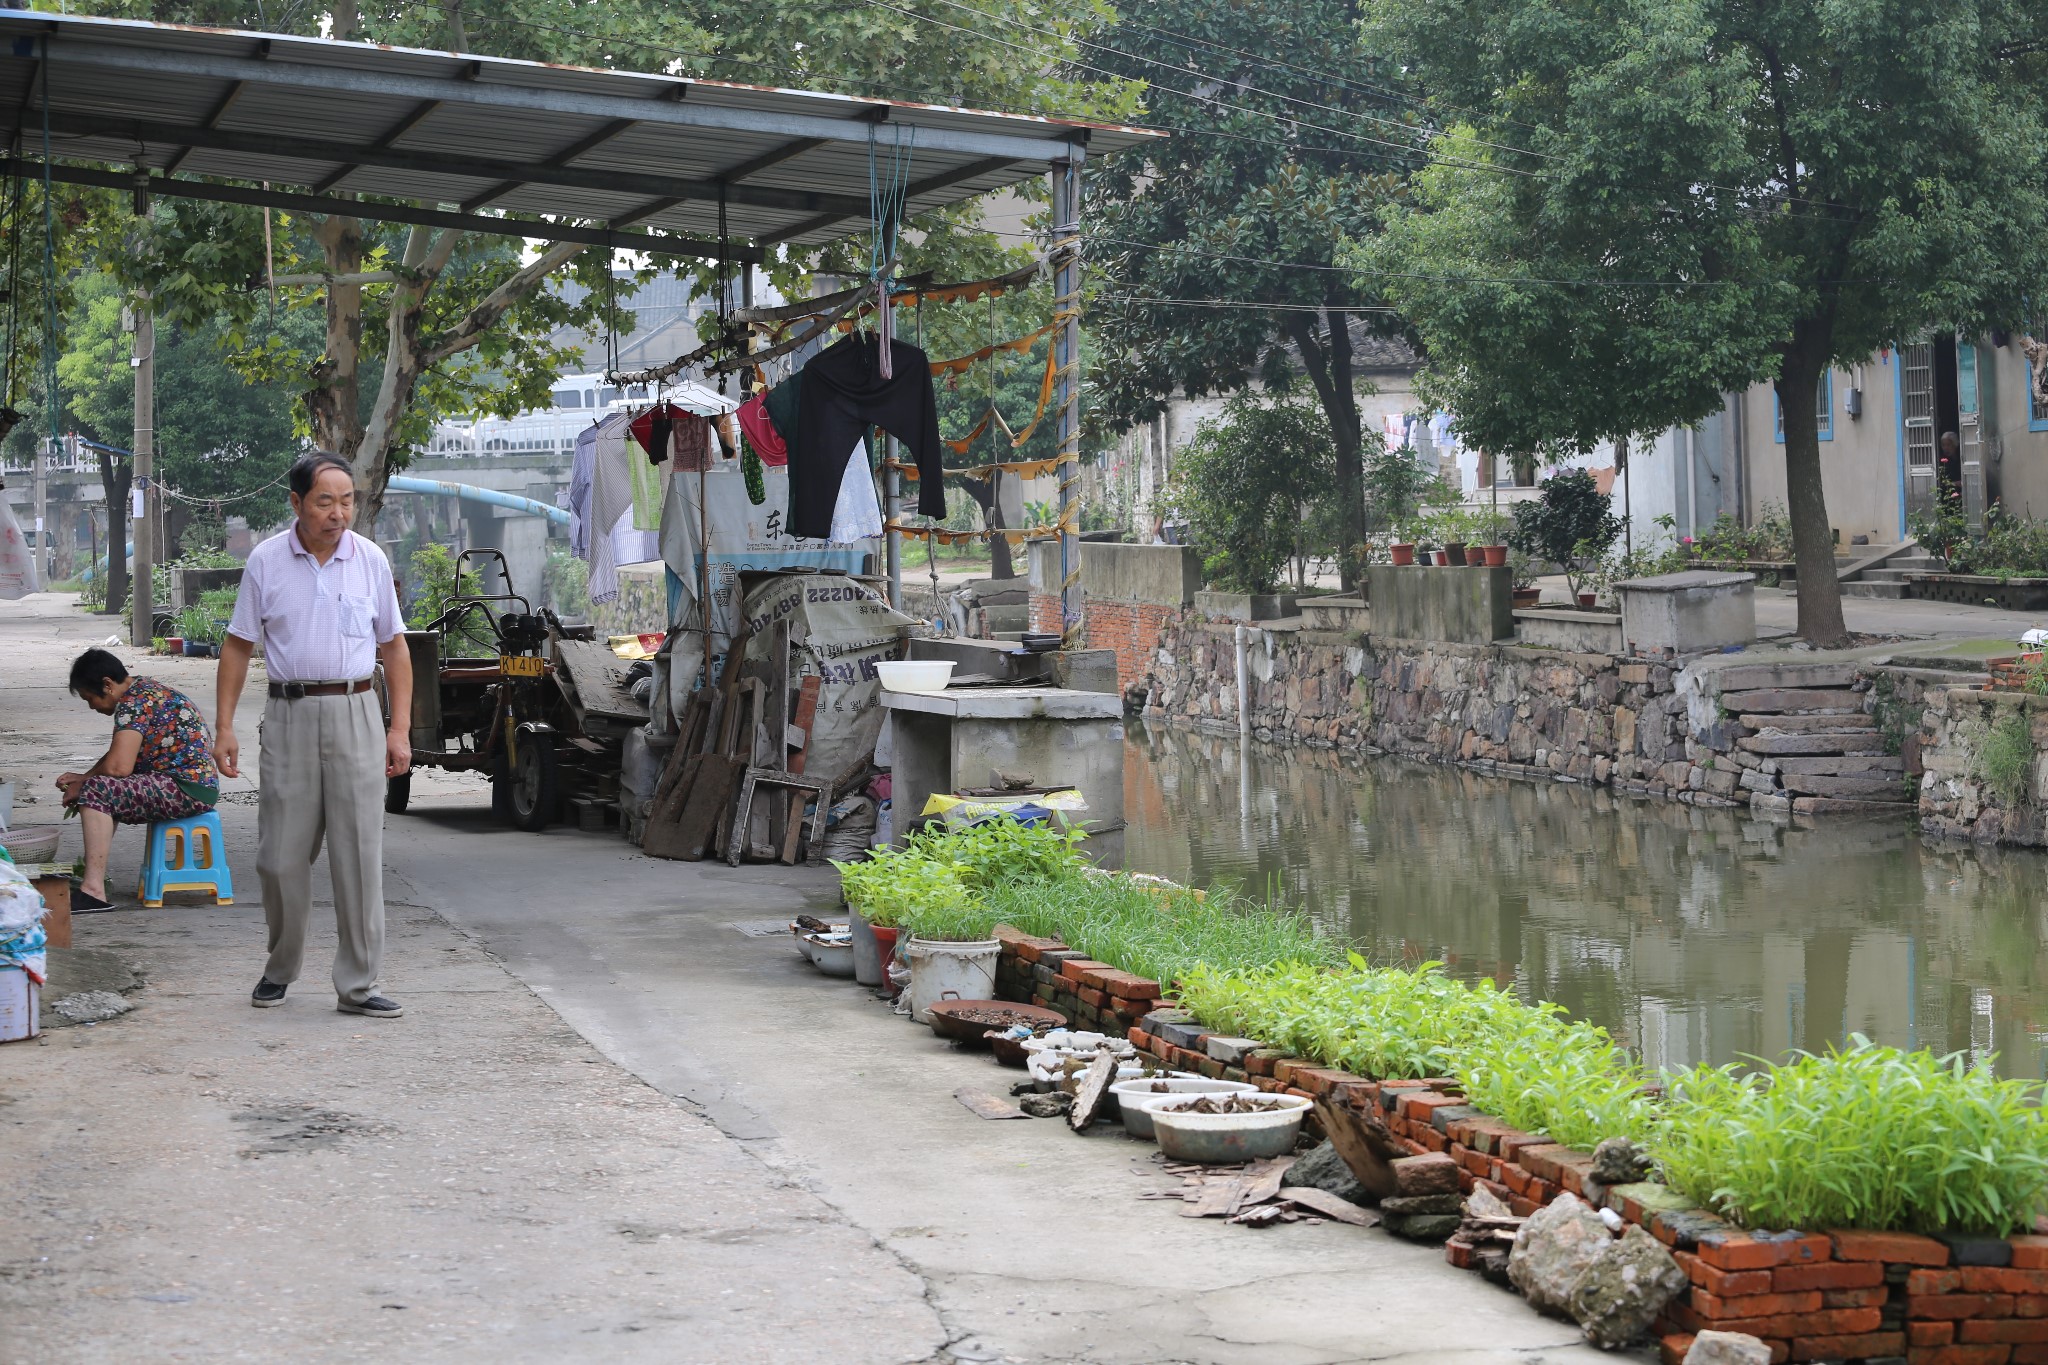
(1694, 935)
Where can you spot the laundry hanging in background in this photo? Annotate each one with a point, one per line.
(857, 512)
(611, 502)
(580, 468)
(843, 394)
(668, 432)
(760, 429)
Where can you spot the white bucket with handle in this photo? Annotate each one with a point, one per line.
(939, 968)
(21, 1000)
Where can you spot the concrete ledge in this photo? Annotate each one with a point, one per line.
(1580, 632)
(1246, 606)
(1460, 606)
(1162, 575)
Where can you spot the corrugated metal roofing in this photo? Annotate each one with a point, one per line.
(457, 133)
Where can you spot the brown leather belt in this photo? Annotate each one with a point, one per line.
(292, 691)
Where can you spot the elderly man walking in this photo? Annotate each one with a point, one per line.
(320, 600)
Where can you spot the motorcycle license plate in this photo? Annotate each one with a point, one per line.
(520, 665)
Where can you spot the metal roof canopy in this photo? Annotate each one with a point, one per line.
(451, 135)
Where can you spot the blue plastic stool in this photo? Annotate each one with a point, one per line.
(186, 855)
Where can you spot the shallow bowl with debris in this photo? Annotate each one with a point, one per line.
(1226, 1128)
(831, 955)
(1135, 1097)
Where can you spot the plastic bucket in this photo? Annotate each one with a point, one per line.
(968, 970)
(20, 1001)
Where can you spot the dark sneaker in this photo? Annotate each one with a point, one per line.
(84, 902)
(377, 1007)
(267, 995)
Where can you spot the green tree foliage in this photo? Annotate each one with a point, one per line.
(1274, 160)
(218, 435)
(1650, 203)
(1248, 485)
(1572, 525)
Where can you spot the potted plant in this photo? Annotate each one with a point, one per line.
(949, 950)
(1572, 526)
(1522, 574)
(1493, 534)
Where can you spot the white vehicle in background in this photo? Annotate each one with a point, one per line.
(576, 401)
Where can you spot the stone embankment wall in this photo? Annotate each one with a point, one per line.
(1985, 756)
(1788, 737)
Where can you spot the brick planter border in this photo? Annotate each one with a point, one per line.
(1828, 1296)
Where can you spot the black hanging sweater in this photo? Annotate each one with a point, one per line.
(843, 395)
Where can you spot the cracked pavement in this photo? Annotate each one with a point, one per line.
(609, 1127)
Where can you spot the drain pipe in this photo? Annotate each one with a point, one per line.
(490, 497)
(1244, 704)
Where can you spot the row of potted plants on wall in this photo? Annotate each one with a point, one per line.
(1455, 554)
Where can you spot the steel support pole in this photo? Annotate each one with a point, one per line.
(42, 493)
(892, 515)
(1066, 252)
(143, 498)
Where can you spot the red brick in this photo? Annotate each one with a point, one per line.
(1512, 1145)
(1319, 1080)
(1874, 1297)
(1296, 1090)
(1285, 1068)
(1140, 1039)
(1920, 1282)
(1672, 1349)
(1420, 1108)
(2011, 1331)
(1984, 1279)
(1726, 1284)
(1959, 1306)
(2030, 1306)
(1458, 1253)
(1959, 1355)
(1828, 1275)
(1827, 1322)
(2030, 1355)
(1091, 996)
(1258, 1064)
(1740, 1251)
(1125, 986)
(1479, 1163)
(1543, 1162)
(1754, 1305)
(1081, 969)
(1432, 1139)
(1522, 1207)
(1930, 1333)
(1898, 1248)
(1849, 1347)
(2029, 1252)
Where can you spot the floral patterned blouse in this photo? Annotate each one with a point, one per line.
(174, 738)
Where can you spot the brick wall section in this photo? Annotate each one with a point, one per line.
(1132, 629)
(1840, 1295)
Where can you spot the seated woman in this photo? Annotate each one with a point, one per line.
(159, 766)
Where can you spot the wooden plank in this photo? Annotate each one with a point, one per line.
(1363, 1150)
(710, 797)
(1265, 1179)
(984, 1105)
(806, 715)
(1219, 1197)
(1088, 1095)
(1330, 1205)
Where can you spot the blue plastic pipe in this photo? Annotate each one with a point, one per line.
(402, 483)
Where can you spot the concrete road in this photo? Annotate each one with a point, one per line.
(610, 1127)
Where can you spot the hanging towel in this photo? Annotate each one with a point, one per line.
(857, 513)
(579, 492)
(611, 502)
(760, 430)
(843, 394)
(649, 483)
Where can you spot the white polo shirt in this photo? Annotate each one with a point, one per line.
(317, 622)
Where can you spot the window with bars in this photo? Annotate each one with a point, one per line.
(1823, 409)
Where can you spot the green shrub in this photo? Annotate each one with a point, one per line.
(2005, 761)
(1870, 1137)
(1248, 485)
(1572, 525)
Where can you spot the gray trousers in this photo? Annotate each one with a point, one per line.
(322, 774)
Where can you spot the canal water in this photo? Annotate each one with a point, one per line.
(1692, 935)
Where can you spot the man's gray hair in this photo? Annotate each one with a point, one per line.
(307, 468)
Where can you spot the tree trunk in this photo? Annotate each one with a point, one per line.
(1329, 373)
(115, 478)
(1813, 540)
(1348, 438)
(334, 400)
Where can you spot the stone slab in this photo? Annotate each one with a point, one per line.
(1009, 703)
(1798, 700)
(1847, 765)
(1761, 677)
(1800, 725)
(1814, 743)
(1854, 788)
